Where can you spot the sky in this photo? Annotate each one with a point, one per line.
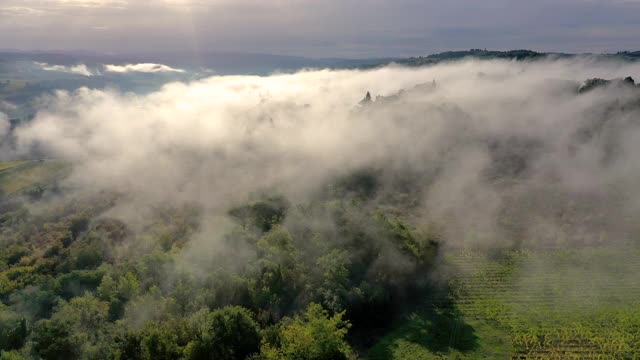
(320, 28)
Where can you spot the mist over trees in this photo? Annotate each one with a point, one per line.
(283, 217)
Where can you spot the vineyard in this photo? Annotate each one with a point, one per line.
(579, 304)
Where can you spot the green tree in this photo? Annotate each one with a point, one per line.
(312, 336)
(74, 326)
(334, 284)
(108, 288)
(118, 293)
(128, 286)
(227, 333)
(279, 278)
(77, 282)
(263, 214)
(13, 330)
(11, 355)
(156, 340)
(164, 341)
(54, 340)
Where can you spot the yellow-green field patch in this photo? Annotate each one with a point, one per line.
(4, 165)
(560, 304)
(41, 173)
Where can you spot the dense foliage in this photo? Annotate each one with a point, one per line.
(286, 281)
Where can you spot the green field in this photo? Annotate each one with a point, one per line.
(5, 165)
(30, 175)
(556, 304)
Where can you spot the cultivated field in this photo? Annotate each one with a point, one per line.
(6, 165)
(22, 176)
(553, 304)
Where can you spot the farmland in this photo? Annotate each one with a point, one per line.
(551, 304)
(6, 165)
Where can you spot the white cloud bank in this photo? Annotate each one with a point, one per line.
(493, 139)
(80, 69)
(143, 68)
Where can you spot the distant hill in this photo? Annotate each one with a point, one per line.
(261, 64)
(25, 75)
(510, 55)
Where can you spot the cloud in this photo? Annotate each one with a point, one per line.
(20, 11)
(144, 68)
(94, 3)
(7, 106)
(498, 152)
(80, 69)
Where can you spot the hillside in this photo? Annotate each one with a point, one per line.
(468, 209)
